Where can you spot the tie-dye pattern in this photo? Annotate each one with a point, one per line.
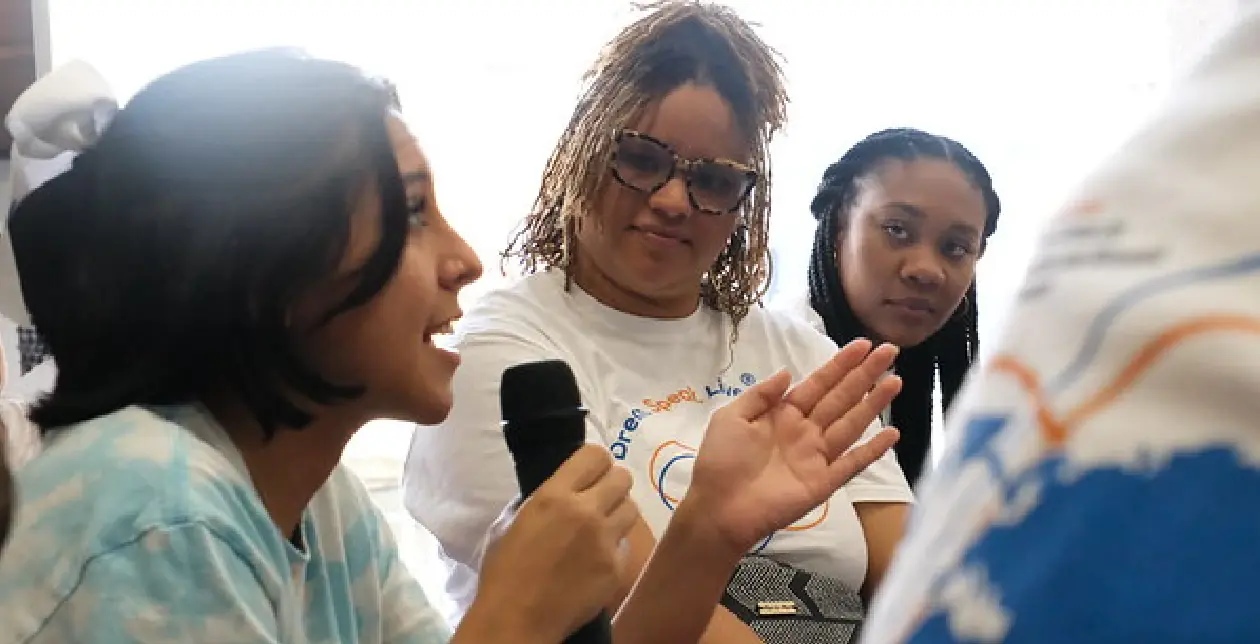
(142, 526)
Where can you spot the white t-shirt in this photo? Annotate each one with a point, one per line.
(1105, 481)
(650, 386)
(798, 305)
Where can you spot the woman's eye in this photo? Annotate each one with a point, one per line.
(417, 209)
(641, 162)
(896, 231)
(957, 251)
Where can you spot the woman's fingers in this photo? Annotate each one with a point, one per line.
(586, 467)
(854, 387)
(845, 430)
(623, 518)
(759, 398)
(612, 490)
(810, 391)
(852, 462)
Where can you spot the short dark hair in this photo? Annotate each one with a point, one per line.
(165, 262)
(951, 350)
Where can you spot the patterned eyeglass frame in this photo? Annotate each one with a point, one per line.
(685, 166)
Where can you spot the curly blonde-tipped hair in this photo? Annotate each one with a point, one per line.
(676, 43)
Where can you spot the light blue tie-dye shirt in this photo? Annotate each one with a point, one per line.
(142, 526)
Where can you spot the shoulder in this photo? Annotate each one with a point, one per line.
(799, 307)
(139, 462)
(535, 300)
(787, 336)
(105, 484)
(532, 319)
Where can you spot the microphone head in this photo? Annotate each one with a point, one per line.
(540, 391)
(537, 389)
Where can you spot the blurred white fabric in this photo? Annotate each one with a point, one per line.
(58, 116)
(22, 440)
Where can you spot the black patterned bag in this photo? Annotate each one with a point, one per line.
(786, 605)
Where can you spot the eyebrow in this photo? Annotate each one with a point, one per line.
(917, 213)
(913, 211)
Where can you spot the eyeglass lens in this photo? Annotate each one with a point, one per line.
(647, 165)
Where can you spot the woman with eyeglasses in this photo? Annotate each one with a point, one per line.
(646, 253)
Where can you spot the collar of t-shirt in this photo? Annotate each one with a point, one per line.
(645, 329)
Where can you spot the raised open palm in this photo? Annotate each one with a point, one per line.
(772, 455)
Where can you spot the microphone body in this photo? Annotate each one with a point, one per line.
(544, 423)
(543, 444)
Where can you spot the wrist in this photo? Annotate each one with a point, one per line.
(694, 529)
(488, 622)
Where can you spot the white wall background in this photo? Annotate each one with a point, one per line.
(1039, 90)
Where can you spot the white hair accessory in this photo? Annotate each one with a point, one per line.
(58, 116)
(66, 111)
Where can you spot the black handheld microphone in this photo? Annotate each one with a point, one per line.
(544, 423)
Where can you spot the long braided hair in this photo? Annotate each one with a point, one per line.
(950, 351)
(676, 43)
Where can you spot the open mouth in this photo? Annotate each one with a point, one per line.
(446, 328)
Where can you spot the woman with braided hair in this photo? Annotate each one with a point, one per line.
(903, 217)
(646, 257)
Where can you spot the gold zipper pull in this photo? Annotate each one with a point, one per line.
(776, 608)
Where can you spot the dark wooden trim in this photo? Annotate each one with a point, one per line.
(17, 58)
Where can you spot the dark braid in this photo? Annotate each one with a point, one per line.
(950, 351)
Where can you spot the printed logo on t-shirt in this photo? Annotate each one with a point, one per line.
(668, 468)
(671, 401)
(669, 457)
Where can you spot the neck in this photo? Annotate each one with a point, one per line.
(290, 467)
(608, 292)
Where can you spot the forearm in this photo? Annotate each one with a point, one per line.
(484, 625)
(723, 628)
(676, 595)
